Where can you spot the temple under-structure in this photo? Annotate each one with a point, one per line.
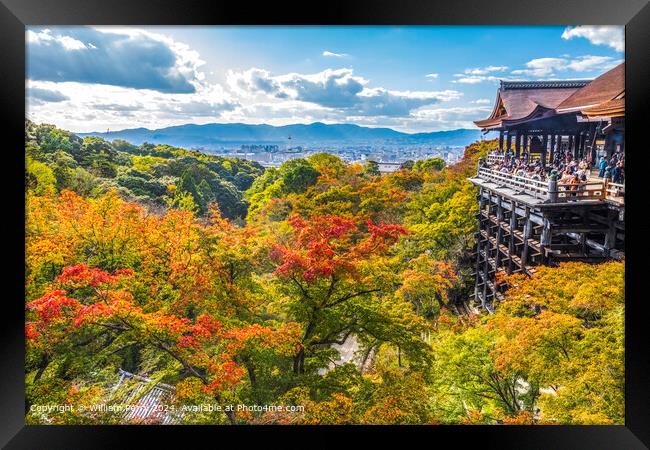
(547, 128)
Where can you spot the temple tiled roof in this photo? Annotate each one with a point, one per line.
(543, 84)
(521, 100)
(609, 86)
(610, 108)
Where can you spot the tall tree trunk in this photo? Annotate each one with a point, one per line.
(42, 365)
(251, 375)
(299, 361)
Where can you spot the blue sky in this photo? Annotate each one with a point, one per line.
(412, 79)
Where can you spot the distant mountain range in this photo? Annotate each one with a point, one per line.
(216, 135)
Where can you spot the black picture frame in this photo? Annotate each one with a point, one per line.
(634, 14)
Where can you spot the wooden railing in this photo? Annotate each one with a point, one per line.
(494, 158)
(497, 158)
(591, 190)
(547, 190)
(536, 188)
(614, 191)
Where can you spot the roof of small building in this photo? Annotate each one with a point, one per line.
(146, 398)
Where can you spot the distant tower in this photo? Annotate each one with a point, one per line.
(289, 143)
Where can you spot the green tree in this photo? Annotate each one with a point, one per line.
(425, 165)
(407, 165)
(297, 175)
(371, 168)
(39, 177)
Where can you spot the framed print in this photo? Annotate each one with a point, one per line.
(278, 224)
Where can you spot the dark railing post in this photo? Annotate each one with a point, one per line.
(552, 188)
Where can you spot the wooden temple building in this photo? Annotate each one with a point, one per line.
(524, 222)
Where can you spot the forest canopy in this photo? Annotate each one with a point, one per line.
(235, 284)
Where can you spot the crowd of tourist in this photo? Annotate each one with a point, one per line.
(614, 168)
(564, 166)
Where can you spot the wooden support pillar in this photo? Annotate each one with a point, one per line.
(497, 257)
(594, 153)
(513, 227)
(583, 235)
(509, 141)
(488, 210)
(610, 236)
(575, 145)
(526, 147)
(570, 145)
(517, 144)
(501, 140)
(578, 145)
(544, 147)
(478, 246)
(545, 239)
(583, 140)
(485, 271)
(486, 264)
(552, 153)
(528, 227)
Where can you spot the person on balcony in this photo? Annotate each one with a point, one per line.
(620, 167)
(586, 167)
(613, 168)
(574, 184)
(537, 175)
(566, 176)
(602, 165)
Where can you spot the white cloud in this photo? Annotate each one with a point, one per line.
(590, 63)
(470, 80)
(338, 89)
(485, 70)
(475, 79)
(71, 44)
(449, 118)
(127, 57)
(547, 67)
(542, 66)
(481, 101)
(41, 96)
(92, 107)
(158, 83)
(252, 82)
(479, 74)
(612, 36)
(46, 37)
(460, 112)
(335, 55)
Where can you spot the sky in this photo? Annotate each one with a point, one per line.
(409, 78)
